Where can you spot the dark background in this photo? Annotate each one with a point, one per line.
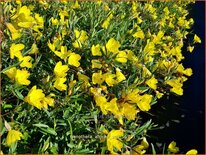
(186, 114)
(193, 125)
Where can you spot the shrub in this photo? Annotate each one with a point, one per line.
(77, 77)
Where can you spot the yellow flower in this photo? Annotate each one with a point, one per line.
(177, 90)
(182, 70)
(15, 50)
(171, 25)
(54, 21)
(196, 39)
(144, 143)
(25, 61)
(157, 38)
(96, 64)
(109, 79)
(190, 48)
(131, 56)
(81, 37)
(51, 46)
(144, 102)
(71, 86)
(15, 34)
(74, 59)
(188, 72)
(106, 7)
(97, 78)
(63, 54)
(139, 20)
(112, 107)
(11, 73)
(59, 84)
(99, 2)
(150, 8)
(119, 75)
(21, 77)
(121, 57)
(152, 83)
(34, 49)
(172, 147)
(149, 48)
(60, 70)
(138, 149)
(176, 86)
(95, 91)
(35, 97)
(129, 111)
(96, 50)
(76, 5)
(64, 1)
(113, 46)
(113, 142)
(141, 148)
(191, 152)
(62, 15)
(39, 21)
(13, 136)
(139, 34)
(181, 21)
(132, 95)
(159, 95)
(23, 17)
(77, 44)
(106, 22)
(47, 101)
(166, 11)
(84, 78)
(101, 101)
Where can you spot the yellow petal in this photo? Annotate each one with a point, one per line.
(121, 57)
(190, 152)
(11, 73)
(13, 136)
(120, 76)
(15, 34)
(96, 64)
(59, 84)
(197, 39)
(172, 147)
(152, 83)
(139, 34)
(22, 76)
(60, 70)
(96, 50)
(74, 59)
(113, 45)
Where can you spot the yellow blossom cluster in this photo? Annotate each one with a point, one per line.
(119, 57)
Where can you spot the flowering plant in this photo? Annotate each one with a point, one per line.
(78, 76)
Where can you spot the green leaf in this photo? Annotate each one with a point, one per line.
(7, 106)
(18, 94)
(143, 89)
(13, 147)
(11, 66)
(41, 125)
(49, 131)
(153, 149)
(46, 144)
(54, 149)
(84, 151)
(66, 114)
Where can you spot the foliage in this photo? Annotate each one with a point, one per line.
(78, 76)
